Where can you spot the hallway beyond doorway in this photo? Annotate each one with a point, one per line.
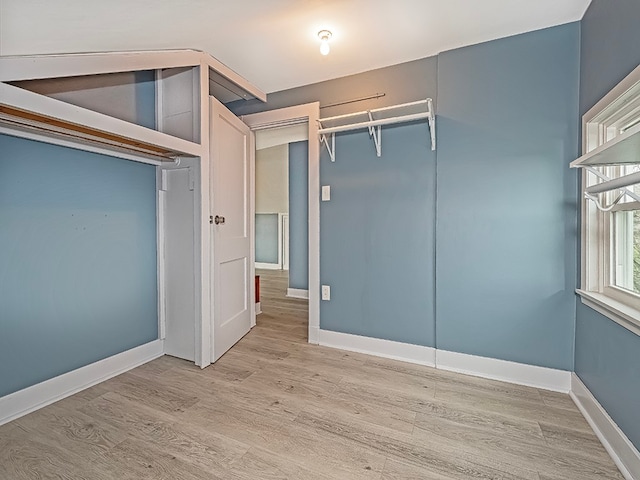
(282, 317)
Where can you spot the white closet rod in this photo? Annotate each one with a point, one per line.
(79, 143)
(625, 181)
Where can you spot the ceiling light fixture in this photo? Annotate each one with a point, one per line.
(324, 36)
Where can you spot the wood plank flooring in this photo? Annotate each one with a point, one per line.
(275, 407)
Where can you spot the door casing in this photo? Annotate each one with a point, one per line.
(310, 113)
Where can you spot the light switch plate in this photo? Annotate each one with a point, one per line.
(326, 193)
(326, 292)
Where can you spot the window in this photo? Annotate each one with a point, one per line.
(610, 280)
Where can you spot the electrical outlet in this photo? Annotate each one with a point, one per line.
(326, 193)
(326, 292)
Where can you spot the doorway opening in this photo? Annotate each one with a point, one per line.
(289, 285)
(281, 233)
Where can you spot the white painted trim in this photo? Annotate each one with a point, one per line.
(161, 209)
(380, 348)
(616, 92)
(284, 219)
(619, 447)
(280, 234)
(597, 289)
(25, 100)
(25, 401)
(204, 347)
(268, 266)
(621, 313)
(255, 306)
(297, 293)
(310, 113)
(30, 67)
(491, 368)
(314, 335)
(505, 371)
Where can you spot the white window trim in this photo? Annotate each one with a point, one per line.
(615, 303)
(619, 312)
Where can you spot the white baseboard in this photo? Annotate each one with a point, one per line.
(314, 335)
(297, 293)
(268, 266)
(258, 308)
(378, 347)
(619, 447)
(491, 368)
(511, 372)
(25, 401)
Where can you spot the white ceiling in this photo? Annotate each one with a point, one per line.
(273, 43)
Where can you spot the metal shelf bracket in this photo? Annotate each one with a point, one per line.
(330, 148)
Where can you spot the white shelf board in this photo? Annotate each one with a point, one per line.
(420, 109)
(623, 149)
(40, 105)
(374, 119)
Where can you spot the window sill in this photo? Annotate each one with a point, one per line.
(619, 312)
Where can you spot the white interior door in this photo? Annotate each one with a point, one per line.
(232, 163)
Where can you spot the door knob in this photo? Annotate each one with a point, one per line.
(219, 220)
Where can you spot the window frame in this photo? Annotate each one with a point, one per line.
(618, 110)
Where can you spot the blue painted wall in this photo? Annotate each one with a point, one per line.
(506, 206)
(607, 359)
(78, 255)
(607, 355)
(506, 215)
(299, 215)
(377, 236)
(267, 237)
(377, 232)
(609, 48)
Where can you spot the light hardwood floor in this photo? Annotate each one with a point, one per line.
(275, 407)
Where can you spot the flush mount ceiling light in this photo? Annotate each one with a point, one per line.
(324, 36)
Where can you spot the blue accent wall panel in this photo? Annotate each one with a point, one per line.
(506, 209)
(607, 355)
(299, 215)
(609, 50)
(607, 360)
(377, 236)
(78, 259)
(267, 237)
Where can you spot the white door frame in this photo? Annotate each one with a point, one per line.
(283, 227)
(310, 113)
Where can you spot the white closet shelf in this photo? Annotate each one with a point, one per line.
(623, 149)
(22, 110)
(374, 119)
(32, 67)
